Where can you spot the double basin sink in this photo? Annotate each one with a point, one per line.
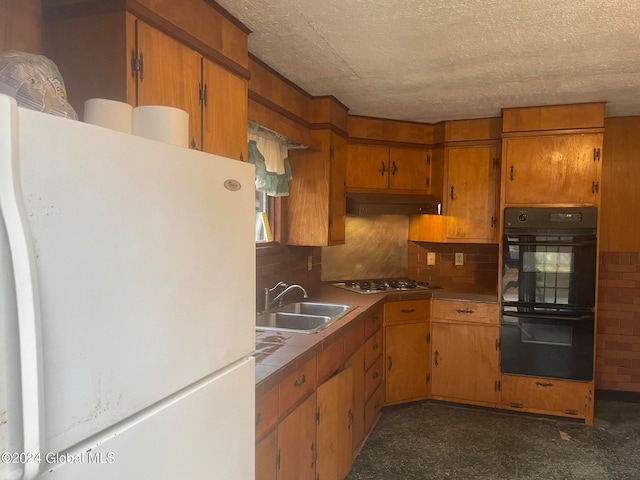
(301, 317)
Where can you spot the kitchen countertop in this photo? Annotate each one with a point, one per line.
(278, 354)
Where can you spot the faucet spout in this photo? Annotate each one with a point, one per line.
(280, 296)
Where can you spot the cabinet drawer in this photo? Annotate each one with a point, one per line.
(372, 349)
(373, 323)
(266, 411)
(372, 408)
(466, 312)
(296, 386)
(330, 359)
(546, 395)
(408, 311)
(373, 378)
(354, 338)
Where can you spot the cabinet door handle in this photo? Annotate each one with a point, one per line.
(389, 363)
(141, 66)
(511, 169)
(258, 417)
(394, 169)
(540, 384)
(351, 418)
(383, 168)
(134, 64)
(376, 346)
(452, 195)
(407, 310)
(436, 358)
(297, 383)
(375, 375)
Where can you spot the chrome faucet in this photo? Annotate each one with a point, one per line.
(278, 298)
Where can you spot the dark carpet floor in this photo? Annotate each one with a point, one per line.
(427, 440)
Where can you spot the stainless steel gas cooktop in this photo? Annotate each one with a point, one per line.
(384, 285)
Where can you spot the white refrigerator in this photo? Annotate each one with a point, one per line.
(127, 305)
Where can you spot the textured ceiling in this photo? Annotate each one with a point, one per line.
(433, 60)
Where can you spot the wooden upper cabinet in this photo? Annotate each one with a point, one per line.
(168, 73)
(552, 169)
(367, 166)
(315, 207)
(373, 168)
(470, 201)
(410, 169)
(137, 53)
(224, 112)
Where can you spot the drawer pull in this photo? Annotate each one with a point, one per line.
(258, 417)
(516, 405)
(407, 310)
(544, 384)
(297, 383)
(468, 310)
(375, 375)
(571, 412)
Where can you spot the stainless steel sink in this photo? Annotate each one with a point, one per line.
(301, 317)
(315, 308)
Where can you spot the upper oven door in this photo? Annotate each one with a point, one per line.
(549, 265)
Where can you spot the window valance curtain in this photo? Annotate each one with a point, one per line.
(268, 151)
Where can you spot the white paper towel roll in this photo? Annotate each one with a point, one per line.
(109, 114)
(164, 124)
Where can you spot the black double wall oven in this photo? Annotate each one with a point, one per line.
(549, 291)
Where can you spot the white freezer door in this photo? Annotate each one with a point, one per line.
(202, 433)
(141, 258)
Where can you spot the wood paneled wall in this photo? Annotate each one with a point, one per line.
(620, 208)
(20, 25)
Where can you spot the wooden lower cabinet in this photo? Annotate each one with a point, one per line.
(266, 452)
(334, 421)
(550, 396)
(315, 439)
(296, 455)
(407, 362)
(465, 363)
(373, 407)
(356, 363)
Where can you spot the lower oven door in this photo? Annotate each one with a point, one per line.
(547, 345)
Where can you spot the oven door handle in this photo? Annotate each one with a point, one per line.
(545, 316)
(549, 244)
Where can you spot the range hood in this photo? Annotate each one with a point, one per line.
(391, 204)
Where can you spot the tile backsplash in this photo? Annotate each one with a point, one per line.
(480, 267)
(278, 263)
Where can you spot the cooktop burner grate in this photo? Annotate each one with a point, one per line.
(384, 285)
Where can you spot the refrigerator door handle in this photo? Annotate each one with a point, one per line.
(27, 300)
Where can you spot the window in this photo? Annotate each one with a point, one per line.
(264, 218)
